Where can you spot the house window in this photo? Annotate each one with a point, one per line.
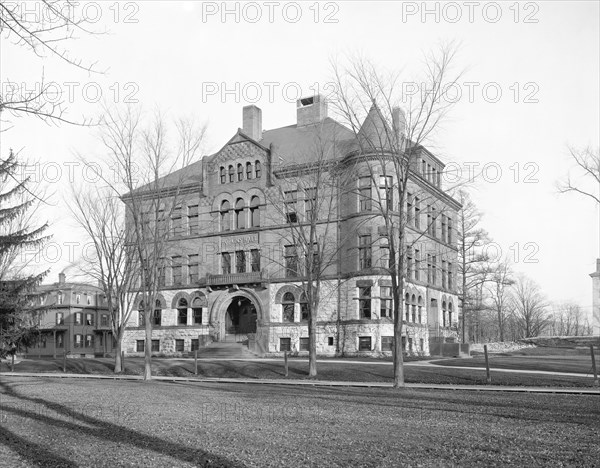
(89, 319)
(59, 298)
(193, 226)
(254, 212)
(413, 309)
(291, 198)
(303, 344)
(291, 261)
(226, 263)
(424, 168)
(89, 299)
(444, 275)
(410, 216)
(417, 213)
(179, 346)
(157, 314)
(225, 216)
(78, 318)
(155, 345)
(303, 308)
(310, 204)
(222, 174)
(386, 192)
(450, 314)
(444, 228)
(231, 174)
(364, 252)
(410, 344)
(450, 277)
(248, 170)
(89, 341)
(417, 264)
(104, 320)
(182, 312)
(162, 272)
(240, 214)
(141, 319)
(330, 341)
(444, 314)
(433, 270)
(176, 222)
(257, 169)
(193, 268)
(78, 298)
(386, 301)
(285, 344)
(409, 262)
(177, 270)
(384, 254)
(78, 341)
(255, 259)
(240, 172)
(60, 340)
(420, 309)
(364, 191)
(140, 346)
(387, 343)
(195, 344)
(364, 343)
(60, 318)
(197, 311)
(450, 232)
(364, 302)
(287, 307)
(240, 261)
(421, 344)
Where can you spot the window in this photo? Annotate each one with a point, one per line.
(444, 314)
(384, 254)
(409, 262)
(182, 312)
(141, 319)
(197, 311)
(226, 263)
(364, 302)
(89, 319)
(89, 299)
(89, 341)
(240, 261)
(248, 170)
(177, 270)
(60, 318)
(444, 228)
(240, 172)
(433, 270)
(310, 203)
(417, 264)
(450, 277)
(410, 344)
(386, 301)
(59, 298)
(225, 216)
(406, 305)
(424, 168)
(78, 318)
(287, 307)
(257, 169)
(240, 218)
(291, 261)
(42, 341)
(78, 341)
(364, 343)
(193, 225)
(444, 275)
(450, 232)
(155, 345)
(386, 192)
(291, 198)
(78, 298)
(387, 343)
(330, 341)
(450, 314)
(429, 275)
(303, 344)
(303, 308)
(176, 222)
(104, 320)
(254, 212)
(364, 252)
(421, 344)
(410, 216)
(140, 346)
(162, 272)
(222, 174)
(157, 314)
(417, 213)
(420, 309)
(161, 221)
(60, 340)
(193, 268)
(433, 222)
(285, 344)
(195, 344)
(413, 308)
(231, 174)
(364, 191)
(255, 260)
(180, 344)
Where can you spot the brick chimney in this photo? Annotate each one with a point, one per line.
(311, 110)
(62, 278)
(252, 122)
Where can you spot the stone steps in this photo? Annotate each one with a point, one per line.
(224, 350)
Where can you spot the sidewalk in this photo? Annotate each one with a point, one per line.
(315, 383)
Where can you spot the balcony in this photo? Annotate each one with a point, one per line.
(236, 278)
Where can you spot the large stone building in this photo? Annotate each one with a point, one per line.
(230, 269)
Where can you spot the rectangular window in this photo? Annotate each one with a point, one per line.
(386, 192)
(444, 275)
(385, 293)
(155, 345)
(417, 213)
(444, 228)
(409, 262)
(424, 168)
(285, 344)
(387, 343)
(193, 224)
(78, 318)
(141, 319)
(429, 276)
(303, 344)
(240, 261)
(157, 317)
(104, 320)
(195, 345)
(433, 221)
(330, 341)
(364, 302)
(176, 222)
(310, 204)
(226, 263)
(410, 216)
(179, 346)
(421, 345)
(162, 272)
(140, 346)
(410, 344)
(417, 264)
(193, 268)
(197, 311)
(364, 343)
(450, 231)
(78, 341)
(255, 260)
(291, 261)
(89, 319)
(177, 270)
(450, 277)
(304, 311)
(182, 316)
(89, 341)
(161, 221)
(433, 270)
(384, 254)
(428, 227)
(59, 299)
(60, 318)
(364, 252)
(60, 340)
(291, 199)
(364, 191)
(89, 299)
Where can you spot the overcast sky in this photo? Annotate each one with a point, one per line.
(531, 88)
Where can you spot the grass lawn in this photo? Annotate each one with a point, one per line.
(68, 423)
(347, 371)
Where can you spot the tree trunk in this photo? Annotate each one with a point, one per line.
(312, 344)
(118, 363)
(148, 347)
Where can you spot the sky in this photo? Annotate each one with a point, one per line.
(530, 88)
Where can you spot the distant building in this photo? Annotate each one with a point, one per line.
(222, 278)
(76, 321)
(596, 299)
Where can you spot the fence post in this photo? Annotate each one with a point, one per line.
(487, 366)
(196, 362)
(285, 358)
(594, 366)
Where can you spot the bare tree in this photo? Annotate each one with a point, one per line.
(530, 307)
(394, 139)
(588, 183)
(501, 279)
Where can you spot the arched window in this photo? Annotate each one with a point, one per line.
(420, 308)
(450, 314)
(240, 172)
(157, 313)
(254, 212)
(225, 219)
(231, 174)
(444, 313)
(222, 174)
(182, 312)
(303, 308)
(197, 311)
(248, 170)
(257, 169)
(414, 308)
(406, 304)
(240, 218)
(287, 307)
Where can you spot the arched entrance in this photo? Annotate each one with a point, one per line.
(240, 317)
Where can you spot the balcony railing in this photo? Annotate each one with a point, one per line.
(236, 278)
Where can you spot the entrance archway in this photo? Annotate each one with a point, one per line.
(240, 317)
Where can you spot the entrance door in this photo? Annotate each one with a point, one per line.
(240, 318)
